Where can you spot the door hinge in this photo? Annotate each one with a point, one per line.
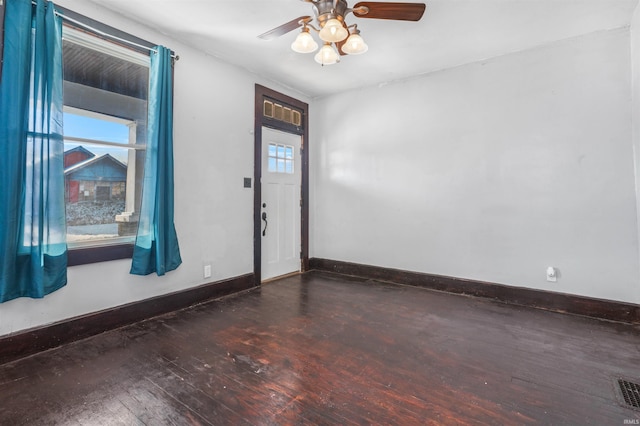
(301, 255)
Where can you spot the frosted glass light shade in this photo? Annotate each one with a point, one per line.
(354, 45)
(333, 31)
(327, 55)
(304, 43)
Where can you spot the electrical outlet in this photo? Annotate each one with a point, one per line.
(207, 271)
(552, 274)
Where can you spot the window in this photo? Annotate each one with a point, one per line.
(99, 157)
(282, 113)
(280, 158)
(105, 113)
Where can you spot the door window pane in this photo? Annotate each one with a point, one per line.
(280, 158)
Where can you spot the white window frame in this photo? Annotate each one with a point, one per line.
(112, 49)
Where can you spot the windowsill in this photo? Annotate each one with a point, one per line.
(101, 241)
(83, 255)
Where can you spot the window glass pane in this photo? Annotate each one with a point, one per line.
(94, 128)
(95, 190)
(280, 158)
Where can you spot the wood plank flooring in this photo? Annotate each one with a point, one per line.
(328, 349)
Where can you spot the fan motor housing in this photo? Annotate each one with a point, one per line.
(326, 9)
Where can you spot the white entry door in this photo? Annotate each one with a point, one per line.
(281, 214)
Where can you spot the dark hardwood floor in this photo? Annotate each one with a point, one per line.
(328, 349)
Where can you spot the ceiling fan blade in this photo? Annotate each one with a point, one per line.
(385, 10)
(284, 28)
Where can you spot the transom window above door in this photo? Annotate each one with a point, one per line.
(282, 113)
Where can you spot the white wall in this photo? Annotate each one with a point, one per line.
(213, 151)
(635, 96)
(489, 171)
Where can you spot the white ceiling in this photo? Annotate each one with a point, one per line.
(451, 33)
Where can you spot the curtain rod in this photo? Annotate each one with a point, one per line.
(111, 36)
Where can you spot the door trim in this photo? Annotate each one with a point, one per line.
(262, 93)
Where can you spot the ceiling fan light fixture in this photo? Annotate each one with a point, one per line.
(304, 43)
(355, 45)
(333, 31)
(339, 38)
(327, 55)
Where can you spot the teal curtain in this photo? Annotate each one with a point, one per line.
(156, 248)
(33, 261)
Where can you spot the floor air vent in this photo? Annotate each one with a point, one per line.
(629, 393)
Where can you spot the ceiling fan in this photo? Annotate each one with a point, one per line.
(334, 31)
